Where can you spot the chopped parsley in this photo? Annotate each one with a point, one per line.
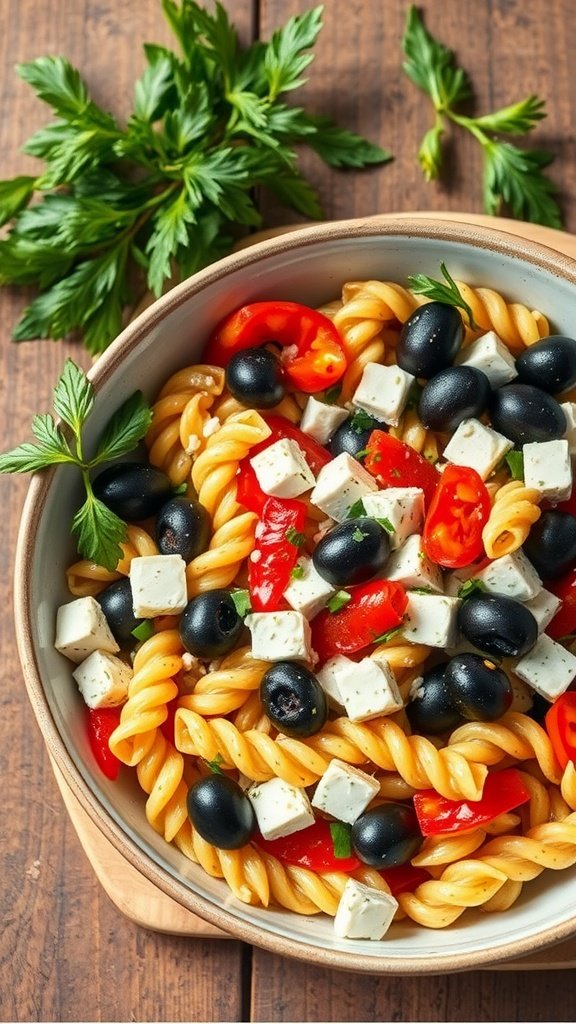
(143, 631)
(359, 535)
(361, 421)
(385, 637)
(471, 586)
(331, 395)
(295, 537)
(241, 599)
(339, 600)
(341, 834)
(356, 510)
(386, 525)
(297, 572)
(214, 765)
(515, 462)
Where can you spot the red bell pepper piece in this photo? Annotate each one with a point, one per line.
(276, 555)
(452, 534)
(395, 464)
(561, 727)
(318, 361)
(564, 622)
(101, 725)
(404, 878)
(503, 791)
(167, 726)
(311, 848)
(374, 608)
(248, 490)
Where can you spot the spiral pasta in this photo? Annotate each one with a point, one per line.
(227, 687)
(514, 512)
(513, 735)
(86, 578)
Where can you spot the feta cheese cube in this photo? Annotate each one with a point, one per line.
(81, 628)
(363, 912)
(367, 689)
(512, 576)
(158, 585)
(431, 620)
(490, 355)
(344, 792)
(103, 680)
(548, 668)
(340, 484)
(279, 636)
(282, 470)
(280, 808)
(321, 420)
(308, 592)
(543, 607)
(383, 392)
(478, 447)
(403, 507)
(328, 677)
(453, 581)
(548, 467)
(569, 410)
(411, 567)
(522, 695)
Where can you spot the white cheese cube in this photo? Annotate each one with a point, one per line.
(158, 585)
(328, 677)
(403, 507)
(308, 592)
(522, 695)
(344, 792)
(279, 636)
(280, 808)
(490, 355)
(512, 576)
(543, 607)
(363, 912)
(339, 486)
(478, 447)
(453, 581)
(383, 392)
(548, 668)
(569, 410)
(321, 420)
(103, 680)
(368, 689)
(431, 620)
(548, 467)
(282, 470)
(411, 567)
(81, 628)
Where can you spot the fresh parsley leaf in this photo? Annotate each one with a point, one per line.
(515, 177)
(339, 147)
(516, 119)
(241, 599)
(294, 537)
(341, 834)
(143, 631)
(29, 458)
(448, 293)
(127, 426)
(421, 590)
(180, 489)
(356, 510)
(515, 462)
(361, 421)
(331, 395)
(286, 58)
(14, 194)
(359, 535)
(214, 765)
(431, 65)
(73, 396)
(339, 600)
(386, 525)
(100, 532)
(389, 635)
(297, 572)
(471, 586)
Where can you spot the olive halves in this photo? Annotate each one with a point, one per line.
(183, 528)
(387, 836)
(352, 552)
(455, 394)
(293, 699)
(132, 490)
(254, 377)
(210, 626)
(430, 339)
(220, 812)
(498, 625)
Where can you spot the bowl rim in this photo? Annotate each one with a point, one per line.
(409, 225)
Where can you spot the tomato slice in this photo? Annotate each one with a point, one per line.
(503, 791)
(452, 534)
(395, 464)
(310, 848)
(275, 555)
(561, 727)
(248, 490)
(374, 608)
(318, 360)
(564, 622)
(101, 725)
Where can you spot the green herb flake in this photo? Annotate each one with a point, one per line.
(241, 599)
(331, 395)
(361, 421)
(386, 525)
(294, 537)
(181, 489)
(214, 765)
(359, 535)
(341, 834)
(437, 291)
(356, 510)
(339, 600)
(297, 572)
(144, 631)
(515, 461)
(471, 586)
(389, 635)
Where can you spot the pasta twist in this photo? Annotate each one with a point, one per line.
(412, 431)
(514, 512)
(86, 578)
(231, 543)
(215, 468)
(228, 687)
(513, 322)
(515, 735)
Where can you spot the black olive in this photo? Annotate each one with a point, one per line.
(453, 395)
(183, 528)
(293, 699)
(549, 364)
(221, 812)
(430, 709)
(210, 626)
(498, 625)
(117, 603)
(132, 490)
(352, 552)
(524, 413)
(387, 836)
(539, 709)
(255, 377)
(479, 690)
(353, 434)
(430, 339)
(551, 544)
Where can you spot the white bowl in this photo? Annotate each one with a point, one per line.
(307, 266)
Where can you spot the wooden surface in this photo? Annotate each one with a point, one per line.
(66, 953)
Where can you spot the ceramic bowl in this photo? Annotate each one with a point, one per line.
(309, 266)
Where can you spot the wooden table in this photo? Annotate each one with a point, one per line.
(66, 953)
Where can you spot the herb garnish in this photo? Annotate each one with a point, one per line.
(386, 525)
(339, 600)
(214, 765)
(438, 291)
(356, 510)
(294, 537)
(512, 176)
(341, 834)
(99, 531)
(143, 631)
(297, 572)
(389, 635)
(471, 586)
(515, 462)
(241, 599)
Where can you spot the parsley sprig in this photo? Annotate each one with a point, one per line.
(99, 531)
(166, 192)
(512, 176)
(448, 293)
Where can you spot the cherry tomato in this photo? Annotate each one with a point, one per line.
(395, 464)
(452, 534)
(503, 791)
(561, 727)
(275, 553)
(311, 848)
(101, 725)
(564, 622)
(374, 608)
(248, 490)
(318, 360)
